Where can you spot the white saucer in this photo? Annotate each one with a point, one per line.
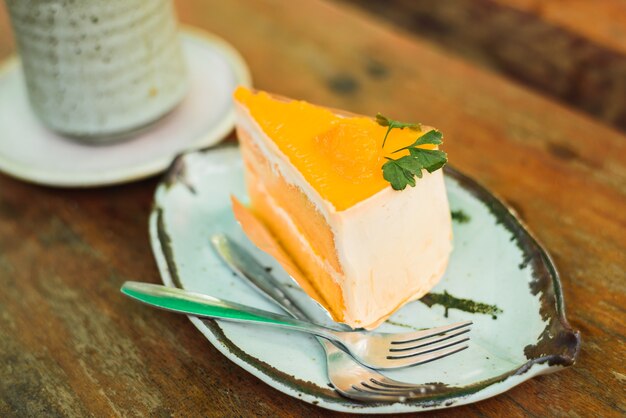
(33, 153)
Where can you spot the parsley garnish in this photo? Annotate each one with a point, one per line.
(402, 171)
(391, 124)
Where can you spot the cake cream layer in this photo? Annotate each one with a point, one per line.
(364, 257)
(290, 216)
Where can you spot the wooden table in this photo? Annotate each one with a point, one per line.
(71, 345)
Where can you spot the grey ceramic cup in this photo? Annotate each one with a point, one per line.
(99, 70)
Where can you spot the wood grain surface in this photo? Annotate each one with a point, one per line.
(71, 345)
(572, 50)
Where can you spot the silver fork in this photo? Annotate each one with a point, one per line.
(378, 350)
(350, 378)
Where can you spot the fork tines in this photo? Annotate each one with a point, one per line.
(429, 345)
(382, 391)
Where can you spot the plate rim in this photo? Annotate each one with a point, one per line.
(328, 398)
(214, 135)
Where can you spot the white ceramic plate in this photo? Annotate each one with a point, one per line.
(31, 152)
(495, 261)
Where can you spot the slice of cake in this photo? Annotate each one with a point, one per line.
(368, 225)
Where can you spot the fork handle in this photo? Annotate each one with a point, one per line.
(239, 260)
(190, 303)
(248, 268)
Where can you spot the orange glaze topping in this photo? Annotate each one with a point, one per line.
(340, 157)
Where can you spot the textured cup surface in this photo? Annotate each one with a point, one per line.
(97, 70)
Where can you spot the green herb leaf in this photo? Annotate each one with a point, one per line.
(431, 137)
(393, 124)
(402, 171)
(411, 166)
(396, 175)
(430, 159)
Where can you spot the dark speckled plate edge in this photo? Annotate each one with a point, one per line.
(557, 347)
